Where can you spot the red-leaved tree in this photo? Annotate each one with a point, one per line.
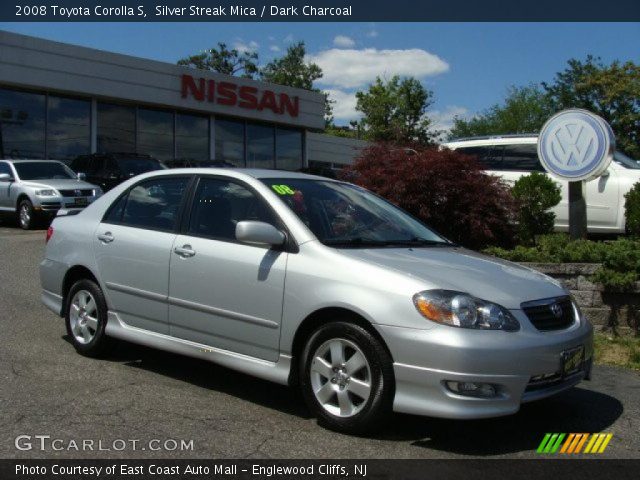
(447, 190)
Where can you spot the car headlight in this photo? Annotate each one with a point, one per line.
(459, 309)
(46, 193)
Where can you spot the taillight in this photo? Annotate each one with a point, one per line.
(49, 234)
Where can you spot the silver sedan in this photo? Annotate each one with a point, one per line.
(314, 283)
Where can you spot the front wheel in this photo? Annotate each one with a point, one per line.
(347, 378)
(26, 215)
(86, 319)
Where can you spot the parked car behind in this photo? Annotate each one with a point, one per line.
(189, 163)
(37, 189)
(316, 283)
(512, 156)
(110, 169)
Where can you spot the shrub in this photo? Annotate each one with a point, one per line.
(620, 259)
(632, 209)
(535, 194)
(447, 190)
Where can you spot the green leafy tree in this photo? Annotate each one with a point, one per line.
(632, 210)
(293, 70)
(535, 194)
(222, 60)
(524, 110)
(611, 91)
(395, 111)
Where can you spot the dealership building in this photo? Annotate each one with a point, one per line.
(59, 101)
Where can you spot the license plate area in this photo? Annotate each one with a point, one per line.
(80, 202)
(572, 361)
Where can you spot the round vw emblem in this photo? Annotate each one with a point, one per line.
(556, 309)
(576, 145)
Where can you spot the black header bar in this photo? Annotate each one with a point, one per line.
(319, 11)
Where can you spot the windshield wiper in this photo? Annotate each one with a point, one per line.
(418, 241)
(411, 242)
(353, 242)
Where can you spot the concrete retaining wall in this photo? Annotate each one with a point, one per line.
(613, 312)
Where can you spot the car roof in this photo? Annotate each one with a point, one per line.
(30, 160)
(258, 173)
(494, 140)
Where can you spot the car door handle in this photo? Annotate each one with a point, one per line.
(185, 251)
(106, 237)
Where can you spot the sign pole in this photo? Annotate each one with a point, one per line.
(577, 211)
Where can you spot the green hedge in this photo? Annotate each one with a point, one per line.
(620, 258)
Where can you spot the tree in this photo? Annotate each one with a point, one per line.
(524, 110)
(223, 60)
(292, 70)
(395, 111)
(535, 195)
(449, 191)
(612, 91)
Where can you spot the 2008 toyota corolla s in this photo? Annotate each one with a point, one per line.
(315, 283)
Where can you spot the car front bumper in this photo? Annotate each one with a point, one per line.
(511, 362)
(51, 205)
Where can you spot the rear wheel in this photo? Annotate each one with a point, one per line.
(26, 215)
(86, 319)
(347, 378)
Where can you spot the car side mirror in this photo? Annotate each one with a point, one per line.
(81, 176)
(5, 177)
(261, 233)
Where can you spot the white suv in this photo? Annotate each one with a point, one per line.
(512, 156)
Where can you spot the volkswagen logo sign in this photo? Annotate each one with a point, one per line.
(78, 193)
(556, 309)
(576, 145)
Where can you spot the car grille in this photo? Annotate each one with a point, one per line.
(74, 193)
(552, 314)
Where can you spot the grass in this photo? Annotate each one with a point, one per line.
(620, 351)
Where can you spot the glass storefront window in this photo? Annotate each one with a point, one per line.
(192, 137)
(68, 127)
(155, 133)
(288, 149)
(116, 128)
(260, 143)
(22, 124)
(229, 136)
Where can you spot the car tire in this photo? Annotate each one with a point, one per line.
(346, 378)
(86, 319)
(26, 215)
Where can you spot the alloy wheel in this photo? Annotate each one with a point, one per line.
(25, 215)
(340, 377)
(83, 316)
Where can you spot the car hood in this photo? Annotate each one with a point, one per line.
(453, 268)
(58, 184)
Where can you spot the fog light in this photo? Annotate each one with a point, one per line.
(472, 389)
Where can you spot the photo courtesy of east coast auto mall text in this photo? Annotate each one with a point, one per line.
(337, 239)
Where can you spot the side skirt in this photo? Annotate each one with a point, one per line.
(277, 372)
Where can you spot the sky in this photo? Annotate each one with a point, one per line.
(468, 66)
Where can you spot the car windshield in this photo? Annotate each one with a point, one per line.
(42, 170)
(344, 215)
(621, 159)
(136, 166)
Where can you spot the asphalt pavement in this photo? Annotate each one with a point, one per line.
(150, 397)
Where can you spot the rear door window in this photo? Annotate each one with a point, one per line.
(153, 204)
(490, 156)
(521, 158)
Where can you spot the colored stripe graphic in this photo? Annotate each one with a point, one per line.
(553, 443)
